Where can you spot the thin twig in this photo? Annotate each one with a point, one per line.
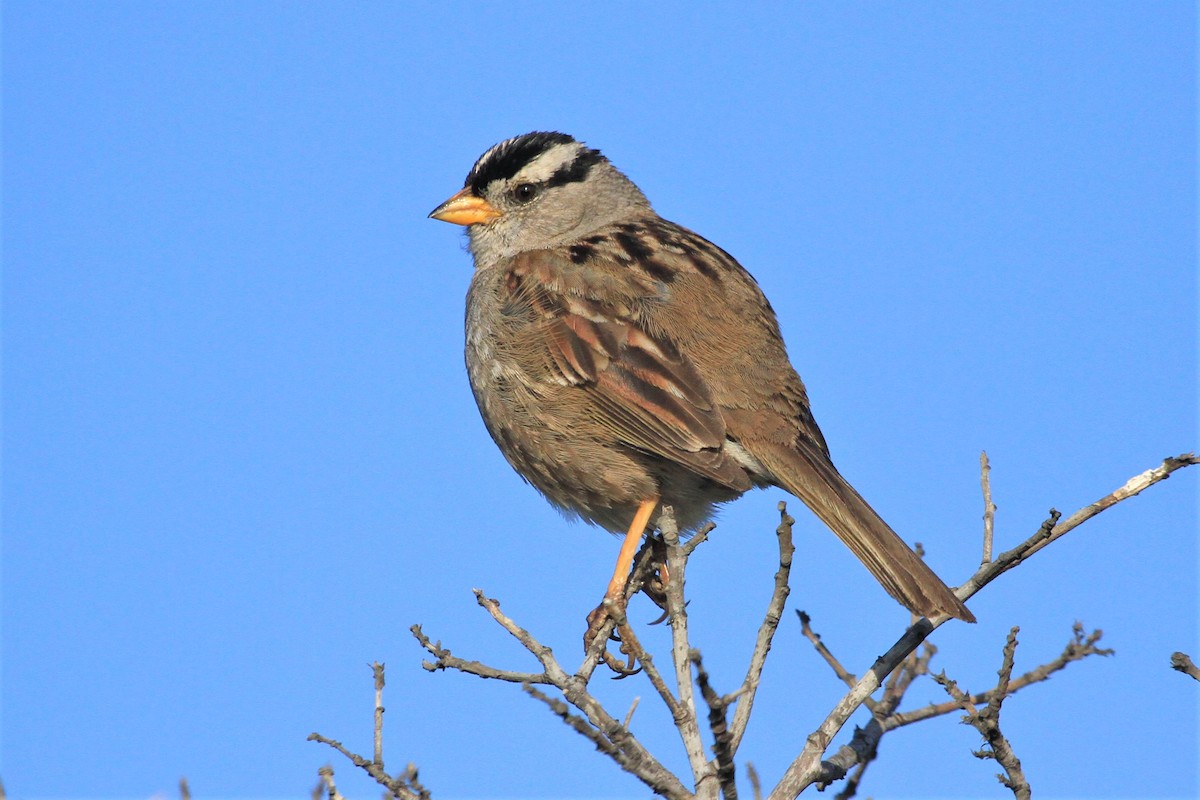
(842, 674)
(809, 767)
(1079, 648)
(718, 725)
(987, 722)
(403, 787)
(853, 781)
(634, 757)
(633, 646)
(686, 723)
(445, 660)
(698, 538)
(755, 783)
(632, 708)
(377, 670)
(766, 631)
(399, 787)
(326, 773)
(1057, 529)
(578, 724)
(989, 508)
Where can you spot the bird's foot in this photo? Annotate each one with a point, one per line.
(610, 612)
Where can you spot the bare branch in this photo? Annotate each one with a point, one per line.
(687, 724)
(987, 722)
(404, 786)
(717, 723)
(842, 674)
(755, 783)
(578, 724)
(1182, 663)
(808, 767)
(635, 758)
(581, 711)
(989, 508)
(766, 631)
(853, 781)
(326, 773)
(447, 661)
(698, 538)
(377, 670)
(632, 708)
(1079, 648)
(398, 787)
(1054, 529)
(633, 646)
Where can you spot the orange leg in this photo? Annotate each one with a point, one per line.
(616, 587)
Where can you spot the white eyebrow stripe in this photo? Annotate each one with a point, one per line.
(549, 162)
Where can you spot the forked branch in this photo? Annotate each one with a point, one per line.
(567, 694)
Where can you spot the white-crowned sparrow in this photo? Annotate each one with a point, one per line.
(621, 361)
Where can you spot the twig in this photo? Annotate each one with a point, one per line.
(633, 757)
(717, 723)
(842, 674)
(808, 767)
(766, 631)
(1182, 663)
(447, 661)
(910, 669)
(987, 722)
(698, 538)
(1079, 648)
(377, 670)
(853, 781)
(864, 745)
(687, 724)
(326, 773)
(755, 783)
(632, 708)
(989, 508)
(396, 786)
(633, 646)
(578, 724)
(404, 786)
(1056, 529)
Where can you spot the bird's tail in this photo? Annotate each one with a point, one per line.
(810, 475)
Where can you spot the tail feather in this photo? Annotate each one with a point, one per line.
(809, 475)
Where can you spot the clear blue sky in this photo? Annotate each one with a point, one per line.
(241, 456)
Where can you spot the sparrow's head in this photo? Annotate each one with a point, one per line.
(536, 191)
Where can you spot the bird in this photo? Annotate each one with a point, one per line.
(623, 363)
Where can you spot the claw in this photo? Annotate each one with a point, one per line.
(597, 621)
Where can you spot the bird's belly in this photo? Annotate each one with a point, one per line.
(552, 438)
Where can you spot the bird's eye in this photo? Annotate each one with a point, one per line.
(526, 192)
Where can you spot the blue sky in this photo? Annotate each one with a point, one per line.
(241, 456)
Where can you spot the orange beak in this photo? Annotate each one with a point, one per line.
(465, 208)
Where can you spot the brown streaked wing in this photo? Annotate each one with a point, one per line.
(641, 388)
